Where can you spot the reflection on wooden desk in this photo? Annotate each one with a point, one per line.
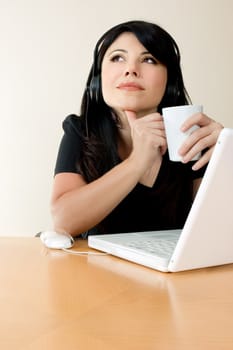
(54, 300)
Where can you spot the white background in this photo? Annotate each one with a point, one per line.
(46, 51)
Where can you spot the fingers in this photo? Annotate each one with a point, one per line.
(203, 160)
(131, 116)
(206, 135)
(203, 138)
(150, 121)
(147, 132)
(196, 119)
(199, 140)
(163, 147)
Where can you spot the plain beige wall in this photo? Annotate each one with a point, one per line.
(46, 51)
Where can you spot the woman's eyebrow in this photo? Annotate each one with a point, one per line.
(125, 51)
(117, 50)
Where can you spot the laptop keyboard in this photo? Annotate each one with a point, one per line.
(158, 247)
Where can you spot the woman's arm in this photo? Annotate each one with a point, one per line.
(77, 206)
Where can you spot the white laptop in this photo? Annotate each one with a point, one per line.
(207, 236)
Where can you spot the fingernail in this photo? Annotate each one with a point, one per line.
(194, 167)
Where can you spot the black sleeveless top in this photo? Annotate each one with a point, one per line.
(164, 206)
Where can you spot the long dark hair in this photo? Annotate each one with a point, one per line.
(99, 151)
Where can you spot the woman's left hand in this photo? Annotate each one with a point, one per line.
(203, 138)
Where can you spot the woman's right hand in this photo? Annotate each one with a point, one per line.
(148, 139)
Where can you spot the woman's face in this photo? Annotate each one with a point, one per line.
(132, 79)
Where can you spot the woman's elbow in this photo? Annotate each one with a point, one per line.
(62, 219)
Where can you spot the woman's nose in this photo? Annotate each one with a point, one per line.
(132, 69)
(128, 72)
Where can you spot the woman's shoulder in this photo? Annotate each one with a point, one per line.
(72, 124)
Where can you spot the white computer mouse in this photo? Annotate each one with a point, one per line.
(56, 240)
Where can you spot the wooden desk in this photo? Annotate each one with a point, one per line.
(54, 300)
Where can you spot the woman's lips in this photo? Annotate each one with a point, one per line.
(130, 86)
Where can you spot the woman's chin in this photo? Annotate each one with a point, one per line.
(126, 107)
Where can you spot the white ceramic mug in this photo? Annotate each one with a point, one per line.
(173, 118)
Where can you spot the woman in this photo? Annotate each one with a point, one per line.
(112, 172)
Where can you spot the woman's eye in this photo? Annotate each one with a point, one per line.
(151, 60)
(117, 58)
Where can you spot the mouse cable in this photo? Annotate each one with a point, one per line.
(75, 252)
